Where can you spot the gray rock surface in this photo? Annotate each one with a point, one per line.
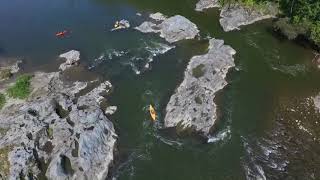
(72, 58)
(111, 110)
(56, 133)
(192, 105)
(172, 29)
(7, 69)
(206, 4)
(235, 16)
(158, 16)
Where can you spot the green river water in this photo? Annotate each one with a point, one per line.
(257, 135)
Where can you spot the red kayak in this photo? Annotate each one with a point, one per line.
(62, 33)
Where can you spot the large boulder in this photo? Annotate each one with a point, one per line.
(192, 105)
(172, 29)
(71, 59)
(56, 133)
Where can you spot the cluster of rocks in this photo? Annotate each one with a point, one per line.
(232, 16)
(57, 133)
(172, 29)
(192, 105)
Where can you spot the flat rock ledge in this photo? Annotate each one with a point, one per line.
(192, 105)
(172, 29)
(236, 15)
(206, 4)
(56, 133)
(72, 59)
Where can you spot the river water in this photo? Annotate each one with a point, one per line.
(267, 127)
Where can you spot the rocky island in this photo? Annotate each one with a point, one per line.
(172, 29)
(59, 132)
(192, 105)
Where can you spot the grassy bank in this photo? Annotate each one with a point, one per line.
(21, 88)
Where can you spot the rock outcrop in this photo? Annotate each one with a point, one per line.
(56, 133)
(7, 69)
(236, 15)
(172, 29)
(233, 16)
(206, 4)
(158, 16)
(72, 58)
(192, 105)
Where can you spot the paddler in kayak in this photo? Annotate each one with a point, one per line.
(152, 113)
(62, 33)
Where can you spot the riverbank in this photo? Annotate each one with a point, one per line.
(234, 15)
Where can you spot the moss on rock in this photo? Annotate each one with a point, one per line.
(198, 71)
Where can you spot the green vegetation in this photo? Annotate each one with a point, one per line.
(198, 71)
(2, 100)
(21, 89)
(301, 17)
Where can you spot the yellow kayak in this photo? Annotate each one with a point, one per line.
(152, 113)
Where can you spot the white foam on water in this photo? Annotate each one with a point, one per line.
(107, 55)
(138, 58)
(221, 136)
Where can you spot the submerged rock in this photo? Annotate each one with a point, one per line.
(234, 16)
(192, 105)
(57, 134)
(147, 27)
(172, 29)
(72, 58)
(206, 4)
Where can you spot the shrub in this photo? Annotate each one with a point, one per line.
(21, 89)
